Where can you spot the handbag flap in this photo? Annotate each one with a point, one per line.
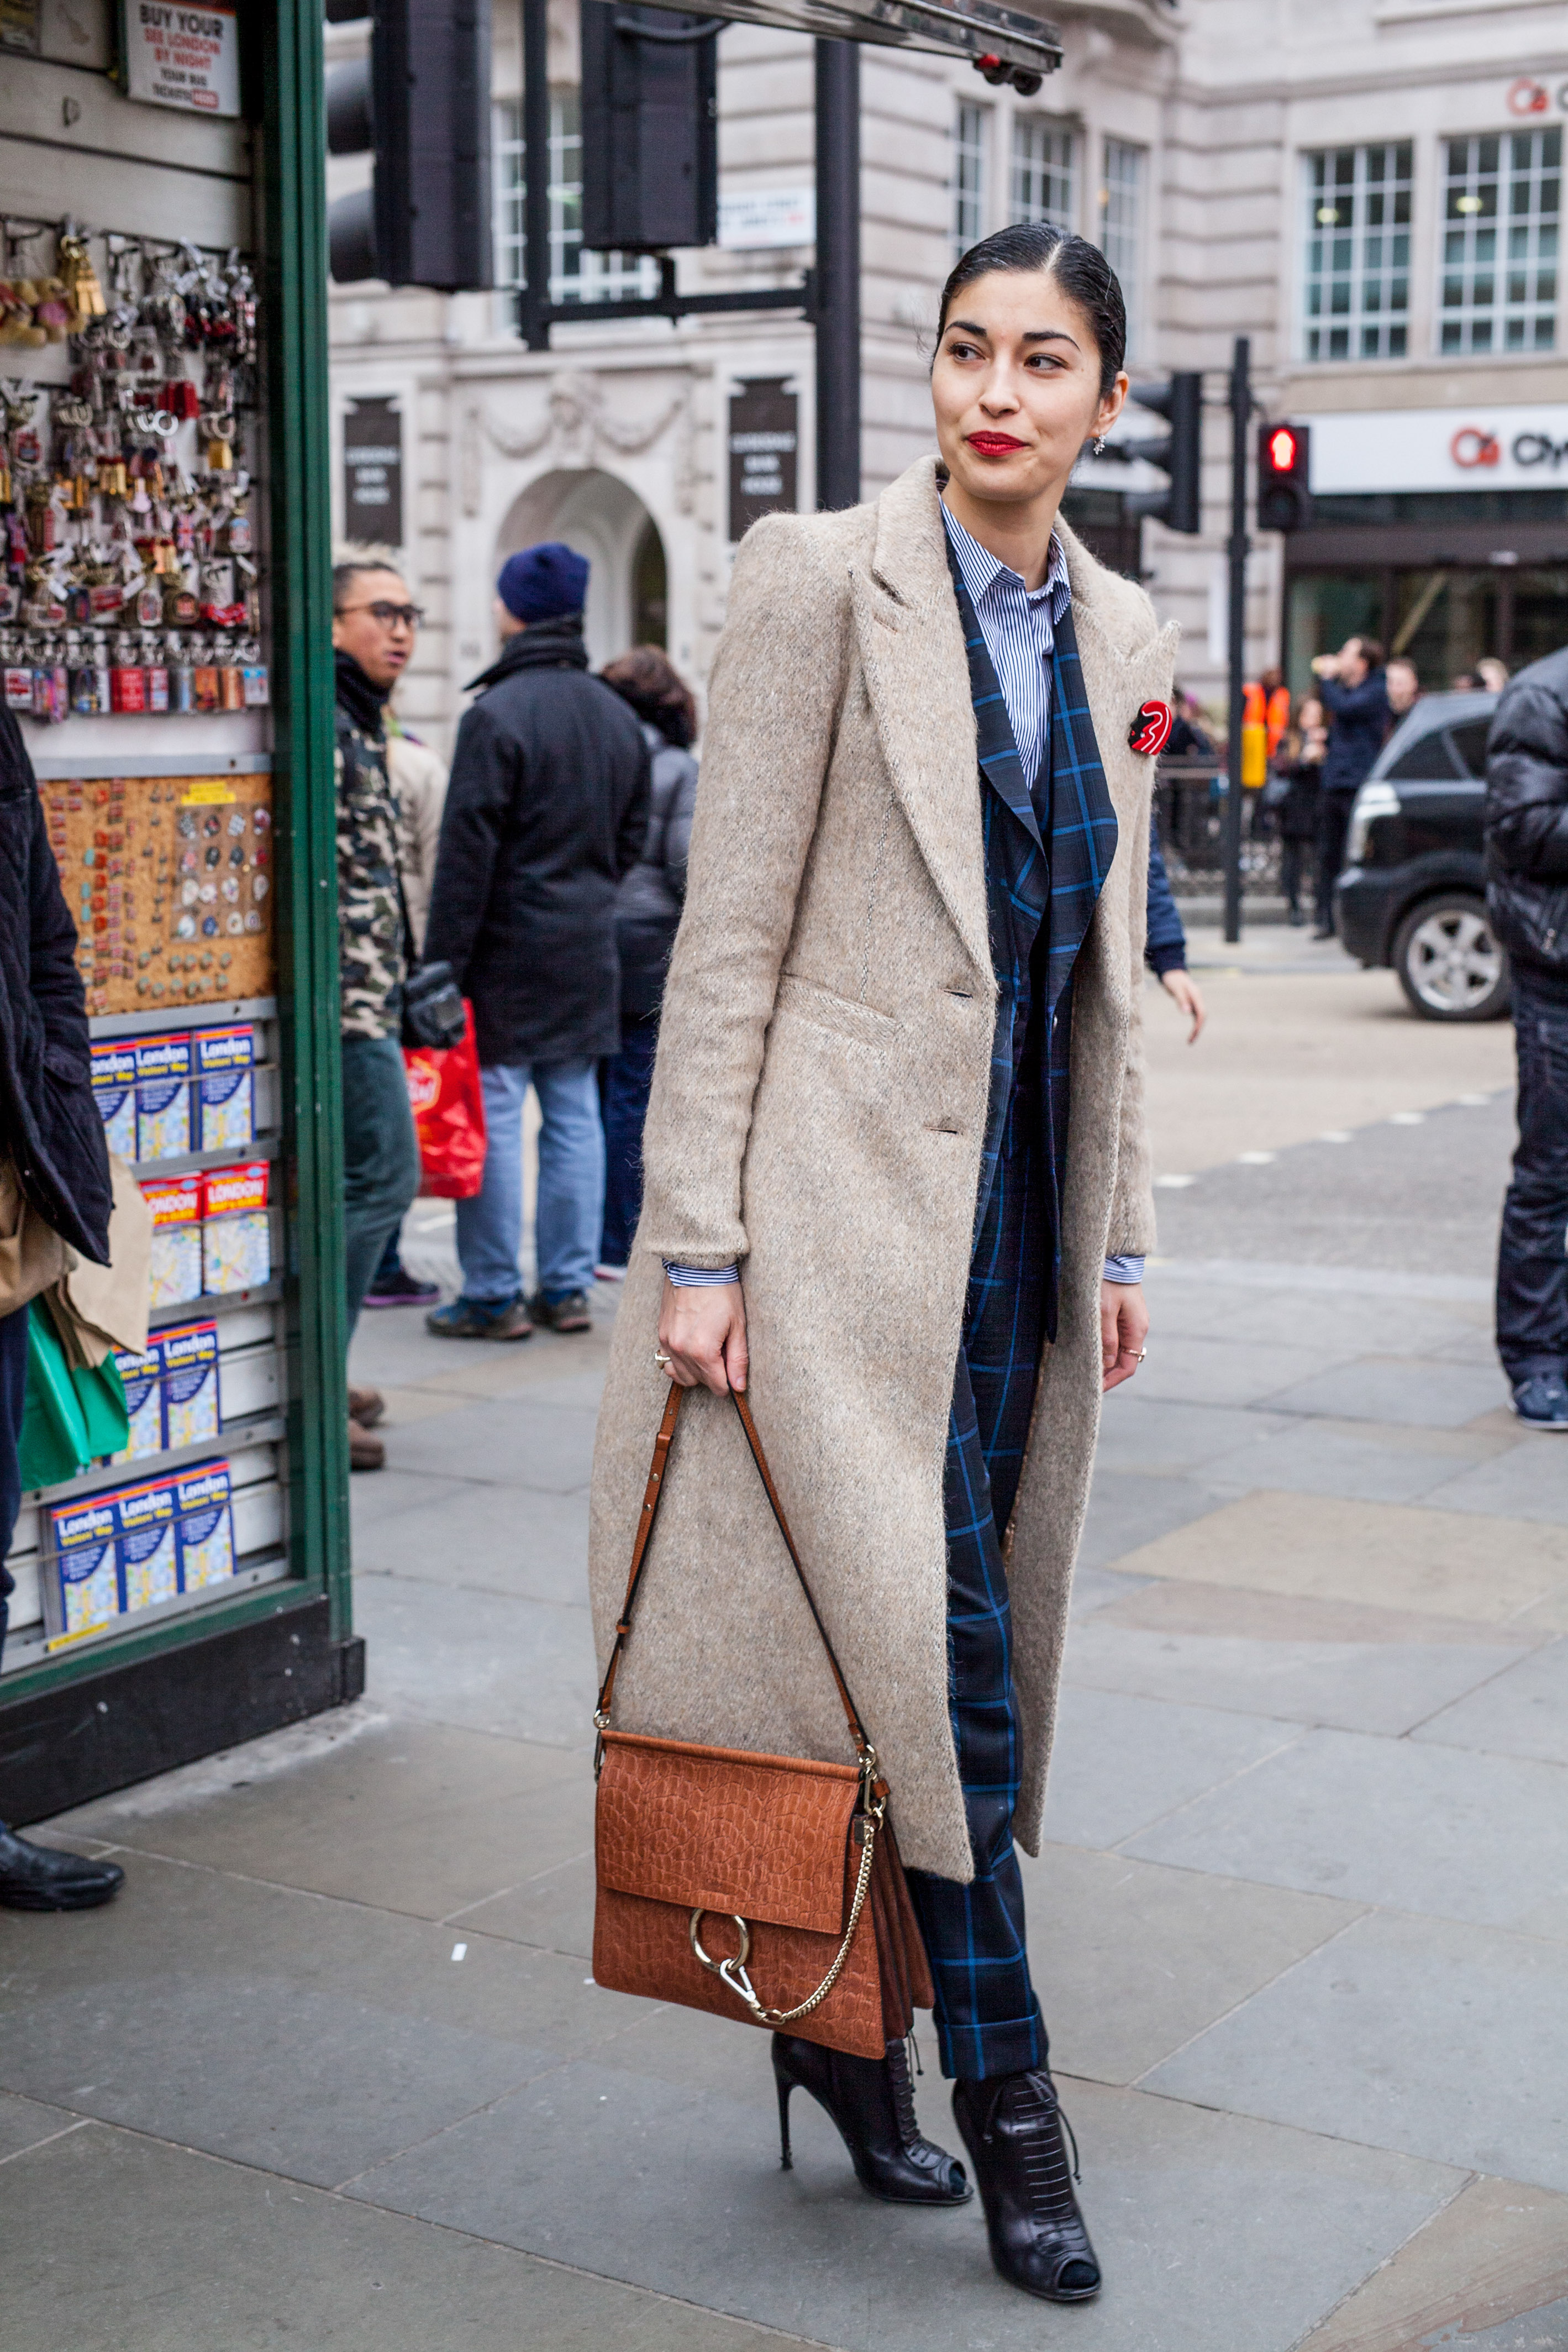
(715, 1828)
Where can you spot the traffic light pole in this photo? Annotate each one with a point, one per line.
(1240, 428)
(838, 288)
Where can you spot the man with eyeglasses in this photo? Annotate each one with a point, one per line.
(373, 628)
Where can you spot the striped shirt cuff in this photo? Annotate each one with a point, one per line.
(1123, 1269)
(696, 1277)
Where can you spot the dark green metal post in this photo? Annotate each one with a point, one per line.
(292, 194)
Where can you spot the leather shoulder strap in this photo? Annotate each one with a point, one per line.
(651, 1496)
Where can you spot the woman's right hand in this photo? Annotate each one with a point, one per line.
(702, 1330)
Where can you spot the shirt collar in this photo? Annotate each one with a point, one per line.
(981, 570)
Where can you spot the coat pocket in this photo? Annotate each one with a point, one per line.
(841, 1015)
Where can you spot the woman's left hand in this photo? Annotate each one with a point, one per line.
(1180, 984)
(1124, 1327)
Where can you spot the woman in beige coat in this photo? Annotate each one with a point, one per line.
(896, 1176)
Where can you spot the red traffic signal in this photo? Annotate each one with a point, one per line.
(1284, 496)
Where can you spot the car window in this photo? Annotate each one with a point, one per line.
(1470, 744)
(1430, 759)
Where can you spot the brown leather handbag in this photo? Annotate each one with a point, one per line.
(767, 1888)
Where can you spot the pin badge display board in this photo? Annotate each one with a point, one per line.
(170, 880)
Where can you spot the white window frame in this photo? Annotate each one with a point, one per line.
(969, 183)
(1058, 165)
(1122, 210)
(1507, 253)
(1369, 253)
(576, 275)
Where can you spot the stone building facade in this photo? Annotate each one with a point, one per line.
(1368, 189)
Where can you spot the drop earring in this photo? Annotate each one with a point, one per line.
(1098, 443)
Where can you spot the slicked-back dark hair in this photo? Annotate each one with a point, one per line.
(1080, 269)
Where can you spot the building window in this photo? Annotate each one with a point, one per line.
(971, 149)
(1499, 242)
(1357, 280)
(1122, 219)
(575, 276)
(1045, 169)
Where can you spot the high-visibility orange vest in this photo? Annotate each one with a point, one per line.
(1279, 717)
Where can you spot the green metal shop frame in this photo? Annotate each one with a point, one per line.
(84, 1723)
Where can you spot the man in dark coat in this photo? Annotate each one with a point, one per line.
(1354, 693)
(54, 1178)
(1526, 830)
(546, 811)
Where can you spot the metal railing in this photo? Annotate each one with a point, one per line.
(1189, 800)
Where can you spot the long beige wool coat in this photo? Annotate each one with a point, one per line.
(817, 1109)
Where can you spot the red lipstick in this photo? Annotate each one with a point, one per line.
(995, 445)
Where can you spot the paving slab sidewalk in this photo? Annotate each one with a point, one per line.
(335, 2068)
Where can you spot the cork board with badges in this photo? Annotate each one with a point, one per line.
(170, 880)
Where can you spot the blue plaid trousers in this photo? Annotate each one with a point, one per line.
(988, 2018)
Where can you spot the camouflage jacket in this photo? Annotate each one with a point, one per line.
(370, 918)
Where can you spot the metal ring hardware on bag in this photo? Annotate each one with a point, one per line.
(732, 1972)
(872, 1805)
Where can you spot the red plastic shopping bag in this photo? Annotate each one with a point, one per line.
(448, 1106)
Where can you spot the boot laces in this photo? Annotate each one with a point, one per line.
(1035, 2103)
(902, 2097)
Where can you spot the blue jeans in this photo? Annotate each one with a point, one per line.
(625, 1084)
(572, 1183)
(380, 1158)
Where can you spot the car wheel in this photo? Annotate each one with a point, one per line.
(1450, 965)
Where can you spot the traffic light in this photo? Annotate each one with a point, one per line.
(1284, 498)
(422, 101)
(650, 129)
(1178, 452)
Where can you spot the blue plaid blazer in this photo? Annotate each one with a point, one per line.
(1046, 857)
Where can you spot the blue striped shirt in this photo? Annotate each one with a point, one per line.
(1019, 626)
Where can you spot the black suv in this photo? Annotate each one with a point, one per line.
(1413, 892)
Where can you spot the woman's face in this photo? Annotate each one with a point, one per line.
(1016, 387)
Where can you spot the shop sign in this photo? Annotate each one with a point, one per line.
(764, 436)
(755, 218)
(1493, 448)
(372, 474)
(176, 55)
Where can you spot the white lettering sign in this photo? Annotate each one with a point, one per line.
(755, 217)
(180, 56)
(1477, 448)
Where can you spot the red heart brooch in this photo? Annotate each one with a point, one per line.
(1150, 730)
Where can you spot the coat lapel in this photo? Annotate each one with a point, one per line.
(917, 677)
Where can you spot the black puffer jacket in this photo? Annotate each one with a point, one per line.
(1526, 817)
(49, 1126)
(546, 811)
(648, 910)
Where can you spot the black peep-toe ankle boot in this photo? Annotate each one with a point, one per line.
(872, 2101)
(1012, 2127)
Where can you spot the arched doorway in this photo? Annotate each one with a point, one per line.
(604, 520)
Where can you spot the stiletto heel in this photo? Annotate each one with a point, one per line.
(871, 2103)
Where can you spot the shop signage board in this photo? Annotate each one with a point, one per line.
(1488, 446)
(763, 445)
(176, 54)
(372, 473)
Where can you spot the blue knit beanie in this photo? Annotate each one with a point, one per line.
(544, 581)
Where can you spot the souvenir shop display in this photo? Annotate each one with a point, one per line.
(131, 584)
(170, 879)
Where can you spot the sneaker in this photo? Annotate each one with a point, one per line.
(1543, 1400)
(481, 1318)
(568, 1314)
(402, 1289)
(609, 1274)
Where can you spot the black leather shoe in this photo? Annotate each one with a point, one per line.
(39, 1878)
(872, 2101)
(1012, 2127)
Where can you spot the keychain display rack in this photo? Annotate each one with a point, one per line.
(165, 628)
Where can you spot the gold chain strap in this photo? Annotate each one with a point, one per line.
(732, 1972)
